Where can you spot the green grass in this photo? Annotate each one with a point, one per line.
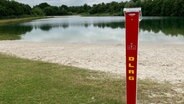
(17, 20)
(33, 82)
(9, 37)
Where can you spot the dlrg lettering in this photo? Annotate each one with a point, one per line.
(131, 68)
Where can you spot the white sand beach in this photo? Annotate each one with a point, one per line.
(160, 62)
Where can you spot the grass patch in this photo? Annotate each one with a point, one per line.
(150, 92)
(32, 82)
(9, 37)
(17, 20)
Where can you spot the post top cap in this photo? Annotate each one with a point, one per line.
(132, 9)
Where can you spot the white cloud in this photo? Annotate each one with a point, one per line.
(66, 2)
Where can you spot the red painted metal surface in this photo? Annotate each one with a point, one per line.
(132, 29)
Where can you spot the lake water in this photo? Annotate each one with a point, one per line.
(76, 29)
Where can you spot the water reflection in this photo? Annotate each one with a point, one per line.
(9, 31)
(169, 26)
(96, 29)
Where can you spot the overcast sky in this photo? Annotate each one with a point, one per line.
(66, 2)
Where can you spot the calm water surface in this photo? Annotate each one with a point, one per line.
(76, 29)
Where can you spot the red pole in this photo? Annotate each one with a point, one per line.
(132, 16)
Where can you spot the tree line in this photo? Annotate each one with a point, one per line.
(149, 8)
(14, 9)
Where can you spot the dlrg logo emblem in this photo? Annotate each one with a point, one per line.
(131, 46)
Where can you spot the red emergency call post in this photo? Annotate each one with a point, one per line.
(132, 18)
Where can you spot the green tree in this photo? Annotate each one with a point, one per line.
(11, 8)
(63, 10)
(178, 8)
(130, 4)
(86, 8)
(37, 12)
(43, 5)
(3, 11)
(51, 10)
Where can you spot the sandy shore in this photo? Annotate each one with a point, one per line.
(162, 62)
